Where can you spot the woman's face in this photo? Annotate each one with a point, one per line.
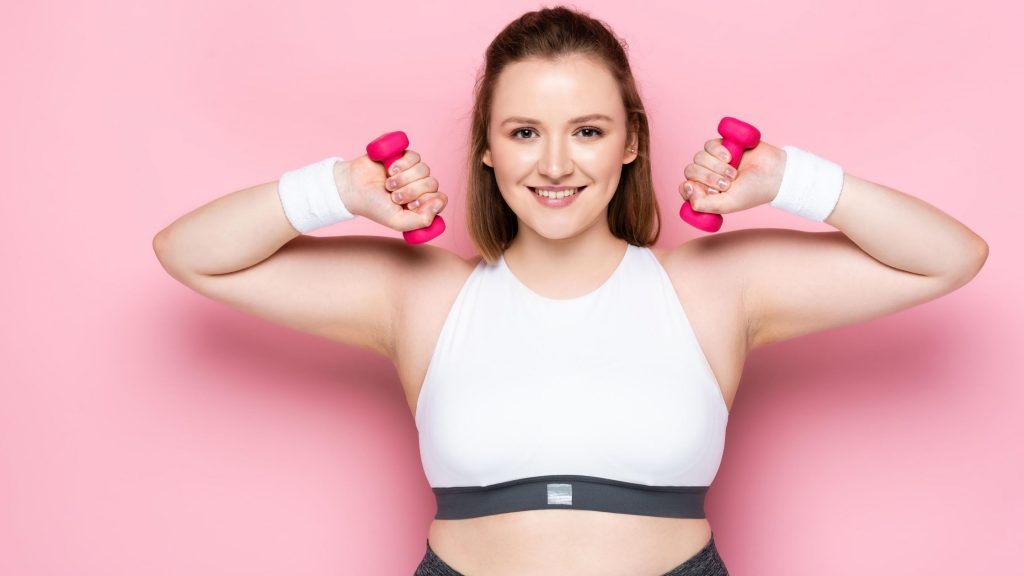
(558, 124)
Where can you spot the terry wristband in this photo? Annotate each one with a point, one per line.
(810, 185)
(310, 196)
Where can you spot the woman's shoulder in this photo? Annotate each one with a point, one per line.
(436, 272)
(721, 254)
(706, 267)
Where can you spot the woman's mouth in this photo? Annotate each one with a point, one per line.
(558, 199)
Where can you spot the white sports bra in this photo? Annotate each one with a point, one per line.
(601, 402)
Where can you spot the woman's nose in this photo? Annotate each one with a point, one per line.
(556, 159)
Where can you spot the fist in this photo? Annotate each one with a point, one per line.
(406, 199)
(712, 185)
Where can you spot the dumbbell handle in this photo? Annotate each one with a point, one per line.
(737, 137)
(387, 149)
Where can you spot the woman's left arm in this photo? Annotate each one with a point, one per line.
(907, 233)
(891, 251)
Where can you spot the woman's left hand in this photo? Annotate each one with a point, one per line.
(715, 186)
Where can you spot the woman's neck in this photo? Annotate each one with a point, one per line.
(564, 268)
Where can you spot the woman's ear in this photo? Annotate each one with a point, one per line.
(631, 151)
(487, 158)
(631, 148)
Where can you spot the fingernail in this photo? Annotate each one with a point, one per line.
(414, 204)
(731, 172)
(394, 169)
(391, 184)
(689, 188)
(436, 208)
(722, 184)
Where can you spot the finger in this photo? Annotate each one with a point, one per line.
(707, 160)
(703, 199)
(429, 203)
(687, 187)
(408, 159)
(411, 192)
(710, 179)
(401, 180)
(423, 215)
(718, 150)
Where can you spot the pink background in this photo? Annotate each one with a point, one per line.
(147, 430)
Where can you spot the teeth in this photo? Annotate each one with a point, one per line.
(562, 194)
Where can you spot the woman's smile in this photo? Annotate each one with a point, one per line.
(564, 196)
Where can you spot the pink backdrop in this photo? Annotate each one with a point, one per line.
(147, 430)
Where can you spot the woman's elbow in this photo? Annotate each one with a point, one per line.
(972, 265)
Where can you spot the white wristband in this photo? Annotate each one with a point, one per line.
(310, 196)
(810, 185)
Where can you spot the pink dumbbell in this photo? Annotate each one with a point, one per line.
(737, 136)
(387, 149)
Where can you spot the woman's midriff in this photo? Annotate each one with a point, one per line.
(567, 543)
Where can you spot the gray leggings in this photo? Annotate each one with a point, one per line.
(706, 562)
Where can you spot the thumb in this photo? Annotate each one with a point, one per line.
(703, 201)
(416, 218)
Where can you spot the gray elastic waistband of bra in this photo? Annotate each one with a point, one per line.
(573, 492)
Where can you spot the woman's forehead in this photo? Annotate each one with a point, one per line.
(556, 91)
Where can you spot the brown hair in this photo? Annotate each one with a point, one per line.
(553, 33)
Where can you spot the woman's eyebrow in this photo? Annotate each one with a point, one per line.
(587, 118)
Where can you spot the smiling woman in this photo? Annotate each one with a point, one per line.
(543, 152)
(557, 105)
(553, 196)
(570, 398)
(561, 201)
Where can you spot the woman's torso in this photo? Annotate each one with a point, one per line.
(571, 541)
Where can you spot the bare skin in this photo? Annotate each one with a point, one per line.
(740, 289)
(570, 541)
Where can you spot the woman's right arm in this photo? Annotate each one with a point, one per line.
(241, 249)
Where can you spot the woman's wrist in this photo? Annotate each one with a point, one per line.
(310, 196)
(343, 185)
(810, 185)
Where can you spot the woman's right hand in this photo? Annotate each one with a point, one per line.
(361, 184)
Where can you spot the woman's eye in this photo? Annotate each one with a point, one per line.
(592, 133)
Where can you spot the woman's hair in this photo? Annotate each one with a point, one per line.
(553, 33)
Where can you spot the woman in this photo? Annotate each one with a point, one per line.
(572, 413)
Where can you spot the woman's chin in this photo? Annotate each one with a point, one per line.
(552, 228)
